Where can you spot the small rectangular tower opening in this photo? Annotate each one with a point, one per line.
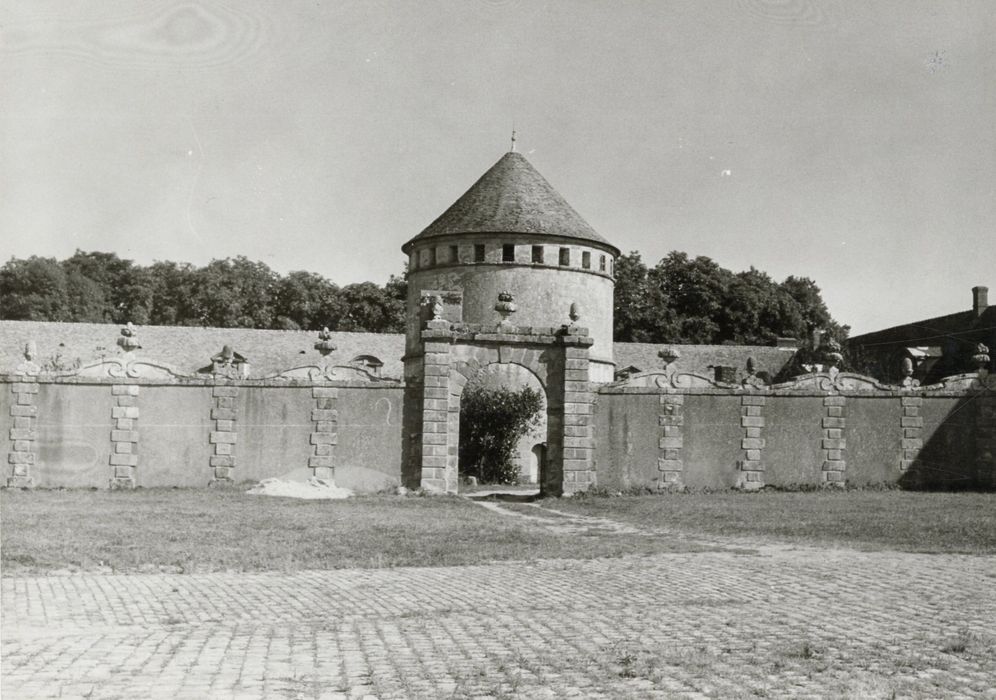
(478, 252)
(601, 263)
(586, 260)
(565, 257)
(538, 254)
(508, 252)
(454, 254)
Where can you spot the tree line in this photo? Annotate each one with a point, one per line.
(679, 300)
(231, 293)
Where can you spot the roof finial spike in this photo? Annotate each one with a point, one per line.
(512, 150)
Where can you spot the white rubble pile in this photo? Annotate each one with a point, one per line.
(313, 488)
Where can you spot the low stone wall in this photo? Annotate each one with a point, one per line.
(662, 430)
(127, 423)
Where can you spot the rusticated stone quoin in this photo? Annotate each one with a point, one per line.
(752, 421)
(23, 452)
(324, 435)
(124, 435)
(834, 443)
(669, 460)
(224, 437)
(912, 431)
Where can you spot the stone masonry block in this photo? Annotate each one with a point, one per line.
(19, 470)
(223, 413)
(21, 423)
(752, 421)
(752, 432)
(671, 431)
(225, 391)
(324, 450)
(833, 477)
(834, 400)
(325, 438)
(325, 426)
(752, 443)
(834, 465)
(128, 401)
(225, 402)
(912, 422)
(124, 448)
(124, 423)
(224, 426)
(25, 399)
(320, 414)
(21, 457)
(912, 401)
(126, 460)
(671, 443)
(222, 461)
(835, 454)
(912, 432)
(18, 410)
(218, 436)
(224, 448)
(323, 461)
(754, 455)
(124, 412)
(574, 408)
(670, 465)
(833, 432)
(751, 400)
(433, 438)
(833, 422)
(752, 410)
(911, 443)
(325, 403)
(22, 445)
(911, 411)
(24, 388)
(671, 476)
(577, 442)
(671, 453)
(905, 464)
(124, 390)
(576, 363)
(23, 434)
(834, 444)
(671, 420)
(751, 465)
(672, 399)
(324, 392)
(835, 411)
(222, 477)
(326, 473)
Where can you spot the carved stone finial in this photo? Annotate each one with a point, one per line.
(325, 345)
(128, 341)
(669, 355)
(751, 366)
(574, 314)
(906, 368)
(832, 354)
(436, 307)
(981, 357)
(29, 366)
(229, 363)
(505, 306)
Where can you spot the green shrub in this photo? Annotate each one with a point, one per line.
(492, 421)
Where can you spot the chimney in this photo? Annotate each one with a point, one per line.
(980, 299)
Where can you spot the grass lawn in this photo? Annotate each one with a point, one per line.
(873, 520)
(190, 530)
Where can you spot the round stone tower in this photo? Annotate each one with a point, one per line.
(512, 232)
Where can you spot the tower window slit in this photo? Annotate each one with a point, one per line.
(538, 254)
(478, 252)
(508, 252)
(586, 260)
(565, 257)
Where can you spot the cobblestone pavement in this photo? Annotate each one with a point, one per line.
(774, 622)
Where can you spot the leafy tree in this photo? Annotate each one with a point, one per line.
(492, 421)
(34, 290)
(234, 293)
(366, 307)
(172, 294)
(125, 289)
(306, 301)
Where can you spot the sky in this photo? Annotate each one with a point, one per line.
(850, 142)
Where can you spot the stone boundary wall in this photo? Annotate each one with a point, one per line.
(126, 383)
(956, 450)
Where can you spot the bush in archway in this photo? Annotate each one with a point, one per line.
(492, 421)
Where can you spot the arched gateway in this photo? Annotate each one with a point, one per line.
(510, 240)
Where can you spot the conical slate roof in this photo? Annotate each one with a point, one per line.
(511, 197)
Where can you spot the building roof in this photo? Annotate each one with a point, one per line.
(511, 197)
(963, 327)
